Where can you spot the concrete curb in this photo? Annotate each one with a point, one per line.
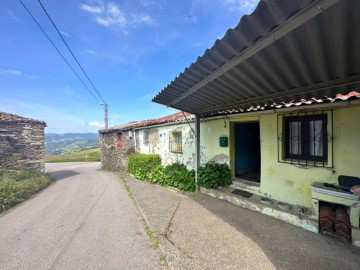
(174, 258)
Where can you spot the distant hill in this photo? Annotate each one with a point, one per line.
(60, 143)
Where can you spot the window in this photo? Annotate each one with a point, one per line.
(175, 142)
(306, 137)
(146, 136)
(118, 140)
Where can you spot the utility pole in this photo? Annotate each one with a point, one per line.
(106, 115)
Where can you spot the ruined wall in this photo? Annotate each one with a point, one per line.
(22, 146)
(114, 152)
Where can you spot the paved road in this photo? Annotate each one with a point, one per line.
(83, 221)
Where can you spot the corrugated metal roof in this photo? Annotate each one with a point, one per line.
(14, 118)
(284, 51)
(172, 118)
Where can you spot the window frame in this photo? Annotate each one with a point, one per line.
(175, 144)
(300, 161)
(306, 137)
(146, 136)
(118, 140)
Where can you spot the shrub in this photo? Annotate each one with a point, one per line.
(140, 165)
(213, 175)
(16, 187)
(177, 175)
(157, 175)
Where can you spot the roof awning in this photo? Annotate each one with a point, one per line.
(285, 50)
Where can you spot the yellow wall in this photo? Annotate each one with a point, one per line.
(288, 183)
(211, 131)
(283, 181)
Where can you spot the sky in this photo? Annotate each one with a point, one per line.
(130, 50)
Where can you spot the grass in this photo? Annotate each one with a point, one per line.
(16, 187)
(87, 154)
(154, 239)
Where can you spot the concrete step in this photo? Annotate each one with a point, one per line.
(278, 210)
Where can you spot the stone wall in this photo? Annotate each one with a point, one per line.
(114, 151)
(22, 146)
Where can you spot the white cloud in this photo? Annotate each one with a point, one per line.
(17, 73)
(93, 124)
(64, 33)
(142, 19)
(110, 14)
(246, 6)
(91, 52)
(92, 9)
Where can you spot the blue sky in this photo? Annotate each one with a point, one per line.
(130, 49)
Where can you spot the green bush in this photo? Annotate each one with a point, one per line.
(157, 175)
(140, 165)
(16, 187)
(177, 175)
(213, 175)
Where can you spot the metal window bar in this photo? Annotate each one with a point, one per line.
(175, 142)
(305, 156)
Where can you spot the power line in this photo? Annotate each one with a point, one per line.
(47, 14)
(62, 56)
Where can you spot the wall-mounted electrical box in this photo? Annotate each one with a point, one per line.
(223, 141)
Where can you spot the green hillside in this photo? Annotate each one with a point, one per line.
(68, 142)
(81, 155)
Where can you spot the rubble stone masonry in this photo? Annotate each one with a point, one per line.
(115, 147)
(22, 145)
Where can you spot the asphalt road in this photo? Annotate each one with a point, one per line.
(83, 221)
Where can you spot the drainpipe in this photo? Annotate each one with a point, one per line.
(197, 150)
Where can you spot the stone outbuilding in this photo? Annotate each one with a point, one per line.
(116, 143)
(22, 142)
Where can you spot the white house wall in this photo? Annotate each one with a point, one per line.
(159, 138)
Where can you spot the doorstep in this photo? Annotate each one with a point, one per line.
(268, 207)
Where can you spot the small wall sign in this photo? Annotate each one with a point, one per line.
(223, 141)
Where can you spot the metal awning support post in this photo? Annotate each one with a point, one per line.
(197, 150)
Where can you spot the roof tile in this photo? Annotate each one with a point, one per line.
(14, 118)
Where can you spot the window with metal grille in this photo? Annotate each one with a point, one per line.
(146, 136)
(175, 142)
(306, 139)
(118, 140)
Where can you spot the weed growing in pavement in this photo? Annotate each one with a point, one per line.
(154, 240)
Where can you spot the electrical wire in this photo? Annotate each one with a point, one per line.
(47, 14)
(62, 56)
(187, 120)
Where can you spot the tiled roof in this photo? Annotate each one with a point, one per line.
(179, 116)
(176, 117)
(302, 102)
(14, 118)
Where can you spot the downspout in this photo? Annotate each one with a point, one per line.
(197, 150)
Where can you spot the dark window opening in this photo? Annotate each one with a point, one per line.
(146, 136)
(175, 142)
(306, 137)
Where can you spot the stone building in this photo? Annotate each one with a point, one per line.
(22, 142)
(118, 142)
